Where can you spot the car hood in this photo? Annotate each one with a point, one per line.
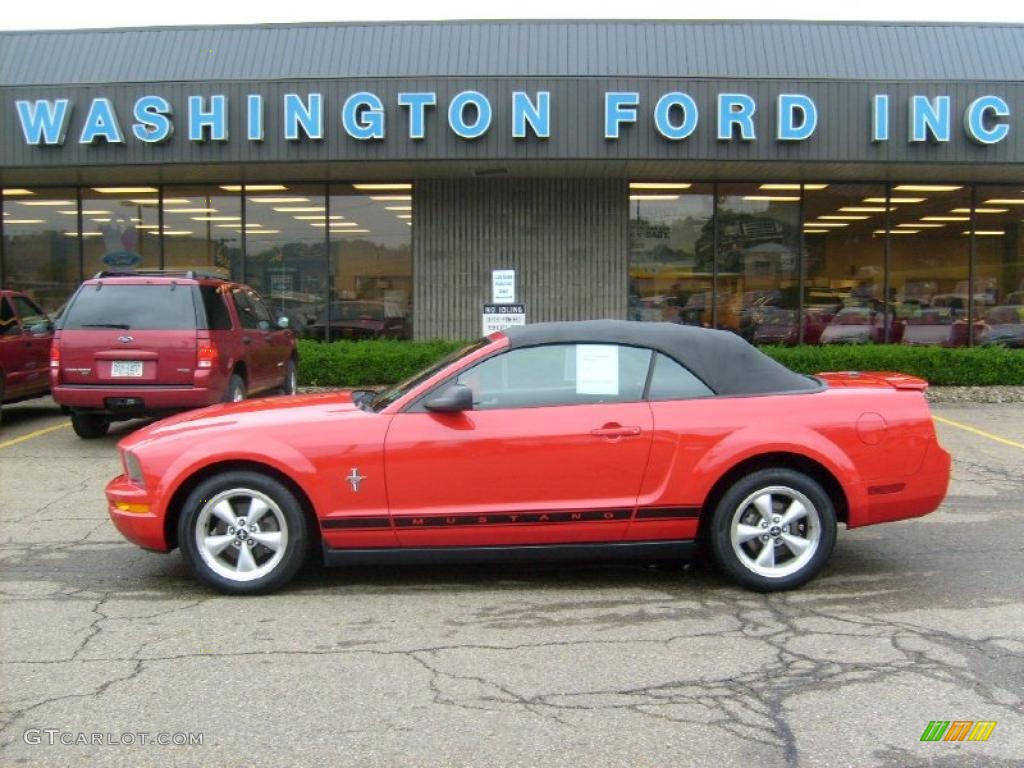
(261, 415)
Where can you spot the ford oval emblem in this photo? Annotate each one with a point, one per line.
(126, 339)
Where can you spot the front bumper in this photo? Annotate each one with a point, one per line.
(132, 511)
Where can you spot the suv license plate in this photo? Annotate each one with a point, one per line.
(124, 368)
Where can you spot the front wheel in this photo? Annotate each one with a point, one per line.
(773, 530)
(89, 426)
(243, 533)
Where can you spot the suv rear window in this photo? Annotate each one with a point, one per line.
(132, 308)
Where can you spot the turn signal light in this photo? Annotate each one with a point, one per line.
(206, 357)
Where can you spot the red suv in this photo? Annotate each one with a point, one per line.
(25, 336)
(151, 343)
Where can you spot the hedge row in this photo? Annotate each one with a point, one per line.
(976, 366)
(363, 363)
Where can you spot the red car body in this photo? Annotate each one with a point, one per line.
(186, 356)
(602, 473)
(25, 337)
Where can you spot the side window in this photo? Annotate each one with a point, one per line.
(559, 374)
(8, 322)
(671, 381)
(218, 318)
(28, 311)
(246, 312)
(263, 316)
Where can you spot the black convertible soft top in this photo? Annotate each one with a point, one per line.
(724, 361)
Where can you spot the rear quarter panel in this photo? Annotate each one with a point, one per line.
(866, 438)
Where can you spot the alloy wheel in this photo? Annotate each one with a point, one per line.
(241, 534)
(775, 531)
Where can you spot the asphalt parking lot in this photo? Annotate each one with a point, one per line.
(509, 666)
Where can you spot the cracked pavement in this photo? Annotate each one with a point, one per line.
(512, 665)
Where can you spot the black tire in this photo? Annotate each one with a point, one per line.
(291, 378)
(285, 516)
(235, 390)
(737, 516)
(89, 426)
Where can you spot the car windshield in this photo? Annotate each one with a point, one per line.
(388, 396)
(163, 307)
(353, 310)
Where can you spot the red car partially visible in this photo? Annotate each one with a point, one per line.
(25, 337)
(589, 440)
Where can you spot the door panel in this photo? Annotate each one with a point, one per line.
(517, 476)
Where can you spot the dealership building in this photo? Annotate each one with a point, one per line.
(794, 182)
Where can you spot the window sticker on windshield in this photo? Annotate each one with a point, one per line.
(597, 369)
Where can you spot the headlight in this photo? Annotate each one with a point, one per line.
(133, 468)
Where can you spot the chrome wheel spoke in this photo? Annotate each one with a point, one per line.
(795, 544)
(763, 505)
(257, 509)
(217, 544)
(745, 533)
(795, 511)
(246, 562)
(224, 512)
(766, 557)
(269, 539)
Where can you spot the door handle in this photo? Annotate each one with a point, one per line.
(615, 430)
(246, 340)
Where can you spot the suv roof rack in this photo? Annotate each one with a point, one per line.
(191, 274)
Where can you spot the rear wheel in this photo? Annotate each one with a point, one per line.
(89, 426)
(235, 391)
(773, 530)
(243, 533)
(291, 378)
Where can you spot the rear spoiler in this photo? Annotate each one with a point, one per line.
(894, 379)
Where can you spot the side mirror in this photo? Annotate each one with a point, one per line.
(455, 399)
(282, 322)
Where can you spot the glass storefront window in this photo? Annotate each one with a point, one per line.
(40, 231)
(370, 235)
(286, 251)
(671, 246)
(119, 225)
(929, 248)
(758, 254)
(999, 266)
(844, 267)
(202, 229)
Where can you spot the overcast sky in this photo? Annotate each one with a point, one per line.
(70, 14)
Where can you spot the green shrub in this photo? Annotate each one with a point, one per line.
(367, 363)
(977, 366)
(363, 363)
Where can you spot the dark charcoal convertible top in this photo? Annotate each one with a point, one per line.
(724, 361)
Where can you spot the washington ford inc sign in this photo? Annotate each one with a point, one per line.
(469, 115)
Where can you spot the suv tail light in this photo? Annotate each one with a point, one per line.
(206, 357)
(54, 356)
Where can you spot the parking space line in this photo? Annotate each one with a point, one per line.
(30, 435)
(975, 430)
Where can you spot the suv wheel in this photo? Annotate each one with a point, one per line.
(291, 379)
(243, 533)
(235, 391)
(89, 426)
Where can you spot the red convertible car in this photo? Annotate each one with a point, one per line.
(589, 440)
